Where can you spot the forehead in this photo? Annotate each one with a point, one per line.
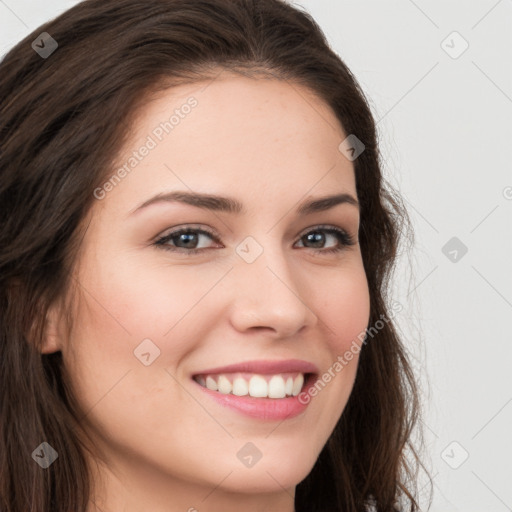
(246, 136)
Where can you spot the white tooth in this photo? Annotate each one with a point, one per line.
(289, 386)
(258, 386)
(200, 380)
(276, 387)
(224, 385)
(240, 387)
(297, 384)
(211, 384)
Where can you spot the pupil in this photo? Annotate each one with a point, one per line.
(188, 236)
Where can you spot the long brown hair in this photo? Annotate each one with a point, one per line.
(63, 120)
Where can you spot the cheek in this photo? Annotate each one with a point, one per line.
(345, 309)
(345, 312)
(154, 311)
(129, 303)
(157, 315)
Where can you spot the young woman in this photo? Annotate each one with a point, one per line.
(196, 243)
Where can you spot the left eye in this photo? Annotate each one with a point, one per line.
(189, 237)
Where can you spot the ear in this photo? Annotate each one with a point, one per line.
(52, 335)
(52, 328)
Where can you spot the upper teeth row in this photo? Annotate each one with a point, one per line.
(257, 386)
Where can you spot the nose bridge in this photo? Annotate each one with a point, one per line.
(268, 293)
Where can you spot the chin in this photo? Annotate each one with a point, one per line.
(273, 476)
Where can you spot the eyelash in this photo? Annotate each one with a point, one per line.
(344, 239)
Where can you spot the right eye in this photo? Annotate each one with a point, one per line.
(187, 236)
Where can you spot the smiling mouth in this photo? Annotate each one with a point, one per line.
(276, 386)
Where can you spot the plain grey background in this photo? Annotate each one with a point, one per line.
(438, 77)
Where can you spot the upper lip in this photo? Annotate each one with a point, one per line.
(265, 367)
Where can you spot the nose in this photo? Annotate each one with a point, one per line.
(268, 296)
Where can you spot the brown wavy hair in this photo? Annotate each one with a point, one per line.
(63, 120)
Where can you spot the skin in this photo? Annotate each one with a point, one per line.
(167, 446)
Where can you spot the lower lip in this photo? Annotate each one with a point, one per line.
(262, 408)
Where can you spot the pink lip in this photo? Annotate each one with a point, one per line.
(263, 408)
(265, 367)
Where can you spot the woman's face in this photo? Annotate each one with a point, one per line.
(264, 287)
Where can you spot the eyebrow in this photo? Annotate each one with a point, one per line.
(231, 205)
